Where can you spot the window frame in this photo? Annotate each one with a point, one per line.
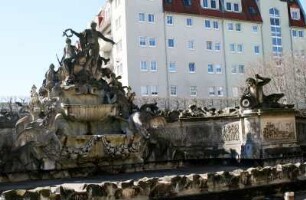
(151, 18)
(191, 67)
(193, 91)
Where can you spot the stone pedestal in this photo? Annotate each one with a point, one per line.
(263, 134)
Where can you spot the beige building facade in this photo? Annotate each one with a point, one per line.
(197, 48)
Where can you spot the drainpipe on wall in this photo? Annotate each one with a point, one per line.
(225, 63)
(166, 62)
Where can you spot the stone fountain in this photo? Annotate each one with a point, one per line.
(81, 120)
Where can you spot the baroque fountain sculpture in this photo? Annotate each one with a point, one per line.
(83, 121)
(81, 117)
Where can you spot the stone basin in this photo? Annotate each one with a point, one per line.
(90, 112)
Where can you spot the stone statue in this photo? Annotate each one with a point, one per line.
(70, 52)
(50, 78)
(89, 40)
(80, 107)
(254, 97)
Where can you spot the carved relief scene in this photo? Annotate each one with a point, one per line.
(278, 130)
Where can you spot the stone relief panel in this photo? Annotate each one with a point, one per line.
(281, 130)
(230, 132)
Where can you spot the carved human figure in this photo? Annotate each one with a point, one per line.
(254, 92)
(89, 40)
(50, 77)
(70, 52)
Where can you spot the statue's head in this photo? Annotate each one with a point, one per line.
(68, 41)
(93, 25)
(51, 66)
(250, 81)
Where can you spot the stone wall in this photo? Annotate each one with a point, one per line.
(189, 139)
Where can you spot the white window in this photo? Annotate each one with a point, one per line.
(238, 69)
(193, 91)
(151, 18)
(217, 46)
(211, 91)
(187, 2)
(301, 33)
(169, 20)
(141, 17)
(205, 3)
(210, 68)
(218, 69)
(256, 49)
(239, 48)
(255, 28)
(228, 6)
(170, 43)
(153, 66)
(190, 44)
(232, 47)
(234, 69)
(220, 91)
(154, 91)
(143, 65)
(295, 13)
(189, 22)
(276, 33)
(209, 45)
(207, 23)
(238, 26)
(236, 7)
(172, 67)
(241, 69)
(213, 4)
(230, 26)
(209, 4)
(191, 67)
(144, 90)
(142, 41)
(216, 25)
(173, 90)
(294, 33)
(152, 42)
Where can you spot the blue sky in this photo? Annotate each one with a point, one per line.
(31, 36)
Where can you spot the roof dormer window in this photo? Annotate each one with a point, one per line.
(210, 4)
(295, 13)
(233, 6)
(187, 2)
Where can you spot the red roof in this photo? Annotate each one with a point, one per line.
(297, 23)
(250, 11)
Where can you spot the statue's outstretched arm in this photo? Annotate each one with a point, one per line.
(72, 31)
(263, 81)
(105, 38)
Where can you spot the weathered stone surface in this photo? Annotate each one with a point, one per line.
(258, 180)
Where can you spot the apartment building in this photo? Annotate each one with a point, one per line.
(197, 48)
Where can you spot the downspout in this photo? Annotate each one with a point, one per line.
(224, 60)
(166, 61)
